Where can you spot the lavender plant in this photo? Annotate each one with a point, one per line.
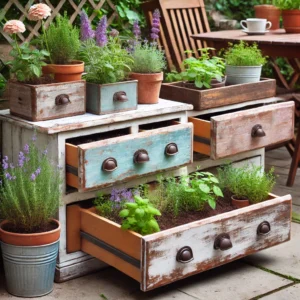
(100, 34)
(30, 190)
(86, 31)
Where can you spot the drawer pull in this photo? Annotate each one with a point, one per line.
(109, 165)
(185, 255)
(263, 228)
(120, 97)
(62, 99)
(141, 156)
(223, 242)
(171, 149)
(257, 131)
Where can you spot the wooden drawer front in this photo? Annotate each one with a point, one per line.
(110, 98)
(160, 250)
(88, 159)
(231, 133)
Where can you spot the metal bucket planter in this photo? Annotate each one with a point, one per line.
(242, 74)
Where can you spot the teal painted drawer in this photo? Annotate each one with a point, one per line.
(102, 163)
(109, 98)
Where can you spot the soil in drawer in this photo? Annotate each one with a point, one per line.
(224, 135)
(154, 260)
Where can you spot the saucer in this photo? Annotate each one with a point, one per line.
(255, 32)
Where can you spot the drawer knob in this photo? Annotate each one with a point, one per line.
(223, 242)
(141, 156)
(120, 97)
(263, 228)
(171, 149)
(185, 255)
(257, 131)
(62, 99)
(109, 165)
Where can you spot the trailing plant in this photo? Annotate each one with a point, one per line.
(139, 216)
(200, 71)
(30, 190)
(242, 54)
(287, 4)
(249, 182)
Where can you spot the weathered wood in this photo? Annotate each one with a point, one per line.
(40, 102)
(211, 98)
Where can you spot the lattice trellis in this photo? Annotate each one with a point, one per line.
(34, 27)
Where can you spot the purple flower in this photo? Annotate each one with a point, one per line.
(8, 176)
(136, 29)
(26, 149)
(114, 33)
(11, 165)
(114, 196)
(86, 31)
(5, 163)
(32, 177)
(45, 152)
(22, 159)
(38, 171)
(101, 38)
(155, 25)
(33, 138)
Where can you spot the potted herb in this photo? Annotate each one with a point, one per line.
(290, 14)
(30, 195)
(107, 66)
(248, 184)
(243, 63)
(149, 62)
(201, 73)
(267, 10)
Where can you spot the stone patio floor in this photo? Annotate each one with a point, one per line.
(272, 274)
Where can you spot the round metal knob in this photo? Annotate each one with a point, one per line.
(62, 99)
(171, 149)
(109, 165)
(141, 156)
(223, 242)
(257, 131)
(185, 255)
(120, 97)
(263, 228)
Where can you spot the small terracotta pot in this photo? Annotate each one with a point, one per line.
(239, 203)
(269, 12)
(148, 87)
(65, 73)
(291, 20)
(30, 239)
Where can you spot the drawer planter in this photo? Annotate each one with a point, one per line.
(110, 98)
(211, 98)
(47, 101)
(161, 258)
(105, 162)
(232, 133)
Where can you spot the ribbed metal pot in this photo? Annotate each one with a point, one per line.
(243, 74)
(29, 270)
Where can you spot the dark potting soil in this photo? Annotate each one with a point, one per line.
(47, 227)
(38, 81)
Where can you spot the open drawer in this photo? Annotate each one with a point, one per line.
(232, 133)
(170, 255)
(96, 164)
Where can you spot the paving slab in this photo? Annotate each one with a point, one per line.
(283, 259)
(290, 293)
(296, 208)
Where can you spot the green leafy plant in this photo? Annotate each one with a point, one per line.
(249, 182)
(200, 71)
(3, 83)
(287, 4)
(30, 191)
(139, 216)
(242, 54)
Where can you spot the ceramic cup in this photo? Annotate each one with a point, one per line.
(256, 25)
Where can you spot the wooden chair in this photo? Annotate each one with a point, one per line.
(180, 19)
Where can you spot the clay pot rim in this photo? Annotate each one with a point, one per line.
(74, 63)
(148, 74)
(291, 11)
(233, 197)
(269, 6)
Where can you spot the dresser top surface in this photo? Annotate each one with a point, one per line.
(90, 120)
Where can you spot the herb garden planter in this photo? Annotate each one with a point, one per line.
(242, 74)
(161, 258)
(47, 101)
(110, 98)
(291, 20)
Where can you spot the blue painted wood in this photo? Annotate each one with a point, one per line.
(100, 97)
(123, 149)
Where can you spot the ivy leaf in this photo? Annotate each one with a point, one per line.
(36, 71)
(214, 179)
(217, 191)
(198, 84)
(212, 203)
(204, 188)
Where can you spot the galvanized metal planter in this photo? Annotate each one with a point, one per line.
(113, 97)
(242, 74)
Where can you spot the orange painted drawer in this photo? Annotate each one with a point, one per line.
(236, 132)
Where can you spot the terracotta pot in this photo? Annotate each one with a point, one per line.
(269, 12)
(148, 87)
(65, 73)
(30, 239)
(291, 20)
(239, 203)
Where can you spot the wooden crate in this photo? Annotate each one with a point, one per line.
(211, 98)
(154, 260)
(47, 101)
